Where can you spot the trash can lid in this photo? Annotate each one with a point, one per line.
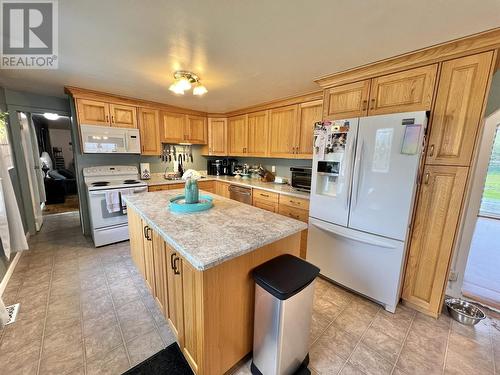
(285, 275)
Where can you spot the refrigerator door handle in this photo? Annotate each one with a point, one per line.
(358, 172)
(352, 237)
(349, 174)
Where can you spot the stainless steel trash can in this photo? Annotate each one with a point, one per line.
(283, 309)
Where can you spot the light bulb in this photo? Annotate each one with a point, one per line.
(51, 116)
(183, 83)
(200, 90)
(174, 87)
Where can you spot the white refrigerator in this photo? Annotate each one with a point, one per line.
(362, 192)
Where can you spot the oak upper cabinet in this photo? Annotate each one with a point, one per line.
(172, 127)
(458, 110)
(257, 128)
(432, 239)
(196, 129)
(217, 137)
(92, 112)
(149, 128)
(237, 131)
(309, 113)
(346, 101)
(123, 116)
(175, 310)
(282, 131)
(407, 91)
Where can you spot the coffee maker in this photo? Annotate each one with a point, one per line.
(221, 167)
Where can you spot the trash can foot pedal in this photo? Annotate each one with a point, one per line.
(302, 370)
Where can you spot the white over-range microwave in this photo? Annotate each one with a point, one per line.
(107, 140)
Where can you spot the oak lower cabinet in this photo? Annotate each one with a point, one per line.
(160, 272)
(457, 114)
(266, 200)
(433, 236)
(222, 188)
(147, 245)
(149, 129)
(175, 308)
(136, 233)
(211, 311)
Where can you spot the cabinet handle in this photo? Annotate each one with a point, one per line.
(264, 195)
(146, 231)
(107, 118)
(176, 271)
(112, 119)
(365, 105)
(172, 260)
(426, 178)
(372, 104)
(431, 150)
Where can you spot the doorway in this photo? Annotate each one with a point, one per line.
(479, 253)
(57, 168)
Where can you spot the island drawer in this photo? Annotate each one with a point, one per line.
(287, 200)
(294, 213)
(265, 205)
(264, 195)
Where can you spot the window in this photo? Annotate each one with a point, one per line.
(490, 204)
(4, 141)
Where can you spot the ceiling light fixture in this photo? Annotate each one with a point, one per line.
(184, 81)
(51, 116)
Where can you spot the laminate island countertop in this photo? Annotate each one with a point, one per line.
(209, 238)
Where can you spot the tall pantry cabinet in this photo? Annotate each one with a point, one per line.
(454, 127)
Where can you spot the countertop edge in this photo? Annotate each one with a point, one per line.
(302, 195)
(197, 265)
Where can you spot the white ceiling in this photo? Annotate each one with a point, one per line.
(246, 52)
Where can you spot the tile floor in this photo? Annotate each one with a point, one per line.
(87, 311)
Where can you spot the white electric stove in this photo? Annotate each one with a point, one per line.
(105, 187)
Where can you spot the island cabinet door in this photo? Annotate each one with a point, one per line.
(175, 314)
(136, 233)
(148, 257)
(192, 287)
(160, 271)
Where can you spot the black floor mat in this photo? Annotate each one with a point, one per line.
(167, 361)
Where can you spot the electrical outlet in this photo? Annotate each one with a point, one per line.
(273, 169)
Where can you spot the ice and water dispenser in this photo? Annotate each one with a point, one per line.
(330, 155)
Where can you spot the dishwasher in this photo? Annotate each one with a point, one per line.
(240, 194)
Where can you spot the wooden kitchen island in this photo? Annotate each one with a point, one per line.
(198, 268)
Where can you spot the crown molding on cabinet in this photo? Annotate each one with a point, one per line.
(81, 93)
(472, 44)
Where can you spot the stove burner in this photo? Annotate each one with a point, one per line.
(100, 183)
(130, 182)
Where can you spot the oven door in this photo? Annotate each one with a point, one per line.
(99, 214)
